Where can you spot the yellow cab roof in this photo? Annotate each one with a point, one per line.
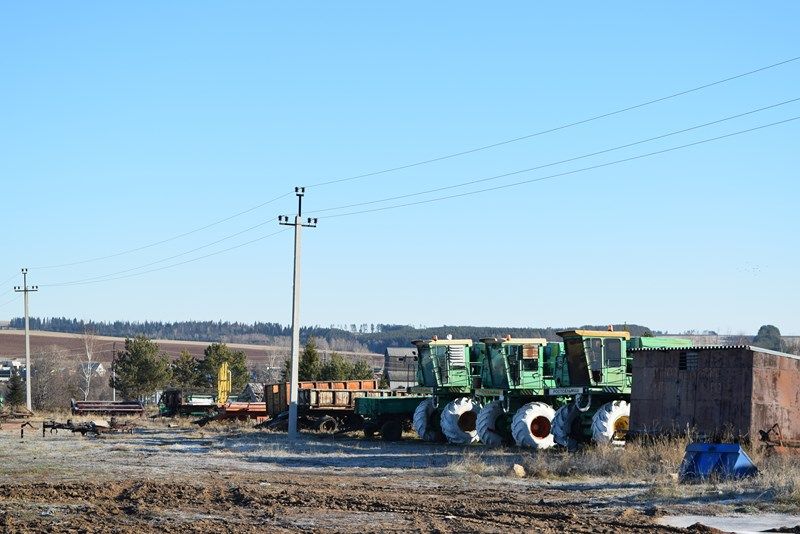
(439, 342)
(515, 341)
(595, 333)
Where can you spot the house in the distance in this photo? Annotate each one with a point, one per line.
(400, 367)
(8, 366)
(97, 368)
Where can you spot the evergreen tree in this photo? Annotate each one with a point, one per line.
(337, 368)
(362, 371)
(309, 366)
(215, 354)
(140, 369)
(768, 337)
(15, 391)
(186, 371)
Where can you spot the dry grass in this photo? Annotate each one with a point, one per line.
(654, 464)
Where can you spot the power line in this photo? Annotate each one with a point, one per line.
(6, 303)
(552, 176)
(231, 236)
(116, 254)
(10, 278)
(538, 167)
(105, 279)
(556, 128)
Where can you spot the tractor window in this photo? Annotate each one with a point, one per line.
(613, 352)
(530, 357)
(594, 349)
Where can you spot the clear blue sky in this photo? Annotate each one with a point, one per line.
(123, 124)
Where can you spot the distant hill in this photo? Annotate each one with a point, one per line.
(375, 340)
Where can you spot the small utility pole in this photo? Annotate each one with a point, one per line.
(25, 290)
(298, 226)
(113, 374)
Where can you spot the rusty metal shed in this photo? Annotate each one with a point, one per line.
(715, 390)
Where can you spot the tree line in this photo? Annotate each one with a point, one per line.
(373, 337)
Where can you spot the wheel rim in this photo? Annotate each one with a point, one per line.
(540, 427)
(328, 426)
(467, 421)
(621, 426)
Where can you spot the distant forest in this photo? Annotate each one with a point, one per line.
(372, 338)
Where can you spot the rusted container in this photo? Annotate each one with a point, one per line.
(733, 391)
(317, 393)
(339, 399)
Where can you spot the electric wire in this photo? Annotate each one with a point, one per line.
(162, 260)
(10, 278)
(6, 303)
(215, 253)
(129, 251)
(554, 129)
(568, 160)
(553, 176)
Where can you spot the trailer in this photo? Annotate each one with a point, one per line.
(388, 416)
(128, 407)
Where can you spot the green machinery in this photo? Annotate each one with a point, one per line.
(441, 406)
(388, 416)
(600, 378)
(446, 370)
(514, 376)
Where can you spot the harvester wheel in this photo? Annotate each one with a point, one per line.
(459, 420)
(423, 415)
(392, 430)
(487, 421)
(610, 422)
(327, 424)
(563, 426)
(532, 426)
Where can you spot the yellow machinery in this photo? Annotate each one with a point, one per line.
(223, 383)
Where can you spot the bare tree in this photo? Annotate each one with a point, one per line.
(87, 367)
(52, 382)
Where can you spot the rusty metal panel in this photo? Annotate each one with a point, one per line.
(739, 390)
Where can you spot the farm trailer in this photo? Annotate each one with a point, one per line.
(107, 407)
(599, 366)
(325, 406)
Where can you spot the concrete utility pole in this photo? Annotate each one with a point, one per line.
(25, 289)
(298, 226)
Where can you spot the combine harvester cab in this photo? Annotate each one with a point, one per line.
(445, 372)
(514, 376)
(600, 378)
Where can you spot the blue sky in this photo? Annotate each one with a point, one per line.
(125, 124)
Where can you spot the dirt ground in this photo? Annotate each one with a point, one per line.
(235, 479)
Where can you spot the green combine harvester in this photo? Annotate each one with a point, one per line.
(515, 374)
(445, 372)
(599, 370)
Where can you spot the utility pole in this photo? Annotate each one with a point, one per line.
(298, 226)
(113, 374)
(25, 289)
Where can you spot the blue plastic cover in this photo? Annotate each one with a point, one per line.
(724, 460)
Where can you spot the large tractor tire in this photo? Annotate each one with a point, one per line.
(458, 421)
(423, 416)
(486, 425)
(562, 426)
(610, 422)
(532, 426)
